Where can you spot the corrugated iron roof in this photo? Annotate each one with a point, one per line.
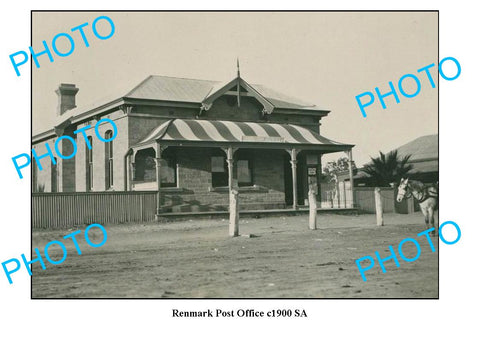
(172, 89)
(196, 90)
(284, 101)
(425, 166)
(425, 147)
(163, 88)
(424, 155)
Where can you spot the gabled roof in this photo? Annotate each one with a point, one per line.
(196, 91)
(181, 90)
(172, 89)
(239, 86)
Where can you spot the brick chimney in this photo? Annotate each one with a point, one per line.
(66, 97)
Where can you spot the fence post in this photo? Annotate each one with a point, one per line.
(234, 214)
(410, 205)
(337, 191)
(394, 193)
(378, 206)
(351, 180)
(312, 204)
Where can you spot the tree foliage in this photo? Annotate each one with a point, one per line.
(388, 168)
(332, 168)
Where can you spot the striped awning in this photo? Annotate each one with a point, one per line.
(193, 130)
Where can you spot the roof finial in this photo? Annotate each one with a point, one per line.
(238, 68)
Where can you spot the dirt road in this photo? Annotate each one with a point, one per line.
(196, 258)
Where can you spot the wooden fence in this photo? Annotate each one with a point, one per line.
(365, 199)
(334, 195)
(62, 210)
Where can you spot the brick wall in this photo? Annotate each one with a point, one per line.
(81, 162)
(226, 108)
(44, 176)
(144, 119)
(194, 164)
(120, 147)
(66, 167)
(195, 182)
(310, 123)
(140, 127)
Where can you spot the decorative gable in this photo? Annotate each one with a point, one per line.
(239, 88)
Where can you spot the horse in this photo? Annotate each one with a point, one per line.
(427, 197)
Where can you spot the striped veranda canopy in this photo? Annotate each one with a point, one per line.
(222, 131)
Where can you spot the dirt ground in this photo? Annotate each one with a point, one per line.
(196, 258)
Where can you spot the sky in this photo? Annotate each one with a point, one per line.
(325, 58)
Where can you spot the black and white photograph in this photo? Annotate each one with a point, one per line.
(213, 170)
(218, 151)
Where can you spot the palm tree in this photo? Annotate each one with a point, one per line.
(388, 168)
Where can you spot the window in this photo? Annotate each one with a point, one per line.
(89, 164)
(145, 165)
(168, 170)
(244, 165)
(109, 160)
(54, 176)
(146, 170)
(244, 172)
(219, 172)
